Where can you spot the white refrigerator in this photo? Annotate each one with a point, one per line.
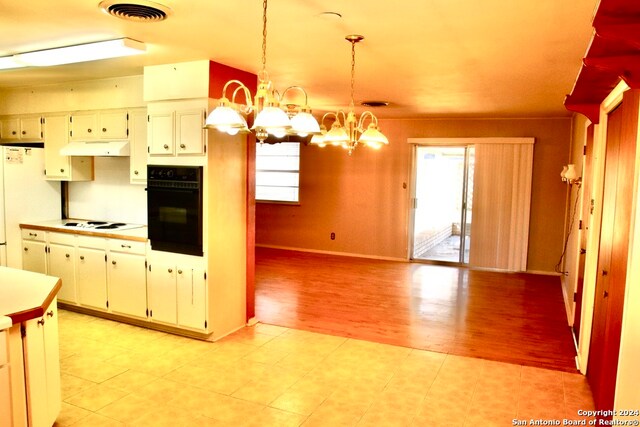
(25, 195)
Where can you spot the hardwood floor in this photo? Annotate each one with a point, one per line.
(515, 318)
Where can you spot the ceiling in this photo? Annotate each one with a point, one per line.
(427, 58)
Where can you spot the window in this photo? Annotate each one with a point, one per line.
(278, 172)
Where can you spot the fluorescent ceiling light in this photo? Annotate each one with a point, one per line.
(72, 54)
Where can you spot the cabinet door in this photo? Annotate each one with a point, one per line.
(113, 125)
(160, 134)
(138, 141)
(84, 126)
(190, 132)
(56, 135)
(192, 297)
(35, 372)
(52, 362)
(91, 278)
(62, 265)
(127, 284)
(31, 128)
(10, 128)
(34, 256)
(162, 293)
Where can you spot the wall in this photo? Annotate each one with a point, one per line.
(364, 197)
(110, 196)
(572, 253)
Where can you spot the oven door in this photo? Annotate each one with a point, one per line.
(175, 219)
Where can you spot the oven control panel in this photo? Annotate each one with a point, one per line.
(163, 175)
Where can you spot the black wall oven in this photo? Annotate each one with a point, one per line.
(174, 206)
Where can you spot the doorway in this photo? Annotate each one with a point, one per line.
(443, 203)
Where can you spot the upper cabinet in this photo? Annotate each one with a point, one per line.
(138, 142)
(176, 128)
(58, 167)
(21, 128)
(95, 125)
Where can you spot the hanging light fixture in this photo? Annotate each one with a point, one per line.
(350, 132)
(270, 117)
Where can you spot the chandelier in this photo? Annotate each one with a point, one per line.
(270, 117)
(350, 132)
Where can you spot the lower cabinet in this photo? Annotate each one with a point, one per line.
(62, 264)
(42, 368)
(34, 251)
(127, 279)
(91, 276)
(177, 295)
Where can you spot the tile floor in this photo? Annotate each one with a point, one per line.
(116, 374)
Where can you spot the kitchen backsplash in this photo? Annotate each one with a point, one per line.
(110, 197)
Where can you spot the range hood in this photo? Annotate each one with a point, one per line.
(96, 148)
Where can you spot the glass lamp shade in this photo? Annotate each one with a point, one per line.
(337, 135)
(571, 174)
(318, 139)
(304, 124)
(272, 120)
(226, 119)
(373, 138)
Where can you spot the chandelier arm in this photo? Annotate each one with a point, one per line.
(300, 88)
(363, 117)
(247, 96)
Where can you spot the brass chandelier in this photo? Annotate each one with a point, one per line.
(350, 132)
(270, 118)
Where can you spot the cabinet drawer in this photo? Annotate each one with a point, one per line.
(127, 246)
(30, 234)
(91, 242)
(62, 238)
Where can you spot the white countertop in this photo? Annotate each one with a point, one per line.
(25, 295)
(138, 234)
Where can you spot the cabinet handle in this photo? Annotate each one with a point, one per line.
(113, 262)
(170, 270)
(88, 130)
(166, 147)
(26, 249)
(183, 146)
(14, 133)
(135, 172)
(33, 234)
(41, 322)
(24, 132)
(82, 257)
(605, 272)
(605, 294)
(62, 170)
(126, 246)
(104, 129)
(179, 271)
(66, 255)
(50, 313)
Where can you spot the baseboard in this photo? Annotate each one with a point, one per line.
(349, 254)
(544, 273)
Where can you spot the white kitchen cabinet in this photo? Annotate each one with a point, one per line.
(127, 278)
(34, 251)
(5, 379)
(91, 274)
(138, 144)
(161, 286)
(191, 298)
(176, 128)
(95, 125)
(58, 167)
(42, 368)
(61, 263)
(22, 128)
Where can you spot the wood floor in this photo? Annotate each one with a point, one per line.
(515, 318)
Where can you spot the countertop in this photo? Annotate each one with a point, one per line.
(135, 234)
(25, 295)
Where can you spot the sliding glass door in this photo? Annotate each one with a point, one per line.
(443, 203)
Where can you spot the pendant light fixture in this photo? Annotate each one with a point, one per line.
(270, 117)
(350, 132)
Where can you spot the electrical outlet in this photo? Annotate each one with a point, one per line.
(333, 236)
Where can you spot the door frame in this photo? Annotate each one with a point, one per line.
(596, 197)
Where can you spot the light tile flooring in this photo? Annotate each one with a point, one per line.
(117, 374)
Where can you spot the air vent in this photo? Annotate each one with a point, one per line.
(139, 11)
(374, 103)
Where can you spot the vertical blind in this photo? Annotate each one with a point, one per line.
(501, 206)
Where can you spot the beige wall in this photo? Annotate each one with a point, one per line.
(363, 199)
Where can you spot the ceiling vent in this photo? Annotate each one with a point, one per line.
(138, 11)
